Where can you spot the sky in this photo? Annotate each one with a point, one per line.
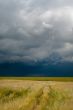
(36, 31)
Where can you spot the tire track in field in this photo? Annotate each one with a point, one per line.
(43, 99)
(32, 100)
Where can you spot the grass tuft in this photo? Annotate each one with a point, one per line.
(7, 94)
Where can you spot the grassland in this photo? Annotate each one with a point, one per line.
(64, 79)
(36, 94)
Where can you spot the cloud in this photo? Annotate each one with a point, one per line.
(32, 30)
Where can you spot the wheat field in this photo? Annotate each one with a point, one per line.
(35, 95)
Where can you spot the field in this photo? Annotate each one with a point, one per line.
(36, 94)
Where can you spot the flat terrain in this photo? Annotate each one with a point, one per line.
(35, 94)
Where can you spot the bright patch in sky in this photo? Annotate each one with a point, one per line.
(33, 30)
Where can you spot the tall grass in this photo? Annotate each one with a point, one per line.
(8, 94)
(36, 96)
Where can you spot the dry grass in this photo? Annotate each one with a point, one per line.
(35, 95)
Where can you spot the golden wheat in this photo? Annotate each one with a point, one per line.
(35, 95)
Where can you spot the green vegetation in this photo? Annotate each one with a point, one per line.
(40, 78)
(8, 94)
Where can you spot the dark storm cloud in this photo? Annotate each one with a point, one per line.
(34, 29)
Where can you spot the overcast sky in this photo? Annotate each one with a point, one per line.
(33, 30)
